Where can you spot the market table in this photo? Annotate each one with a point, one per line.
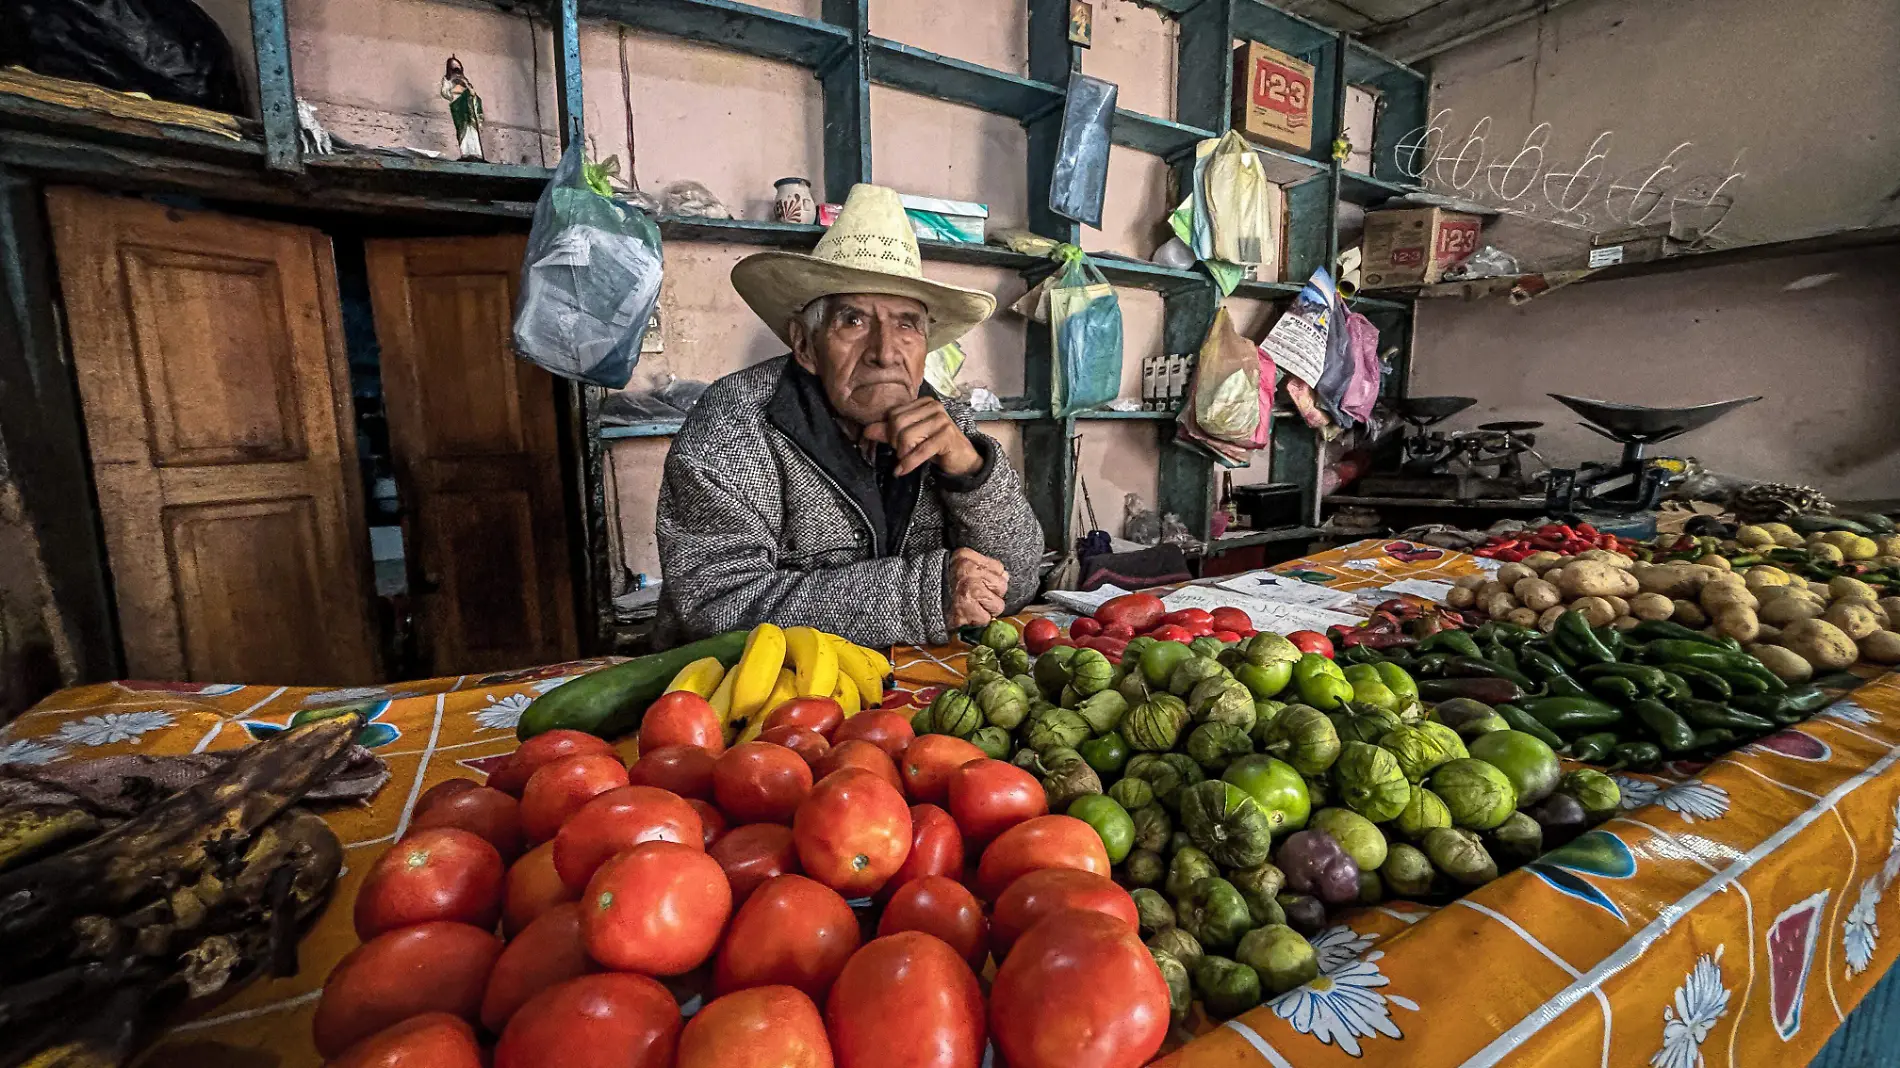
(1731, 915)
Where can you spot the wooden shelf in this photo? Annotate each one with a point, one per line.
(1365, 190)
(1011, 415)
(740, 27)
(1247, 539)
(917, 70)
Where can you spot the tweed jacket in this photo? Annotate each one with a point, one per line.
(753, 529)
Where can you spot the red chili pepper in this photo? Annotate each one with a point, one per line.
(1118, 630)
(1109, 647)
(1227, 636)
(1586, 530)
(1199, 628)
(1553, 528)
(1187, 617)
(1084, 627)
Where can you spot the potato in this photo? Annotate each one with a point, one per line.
(1889, 544)
(1498, 605)
(1719, 595)
(1621, 605)
(1882, 647)
(1784, 535)
(1688, 613)
(1536, 594)
(1786, 664)
(1892, 605)
(1594, 578)
(1605, 556)
(1461, 597)
(1861, 548)
(1670, 580)
(1471, 582)
(1625, 622)
(1512, 574)
(1820, 643)
(1784, 610)
(1738, 623)
(1855, 621)
(1822, 553)
(1720, 563)
(1885, 561)
(1651, 606)
(1763, 575)
(1555, 576)
(1547, 622)
(1843, 587)
(1768, 633)
(1819, 589)
(1491, 589)
(1523, 617)
(1753, 537)
(1543, 560)
(1880, 614)
(1595, 609)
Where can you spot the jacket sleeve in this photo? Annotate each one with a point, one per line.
(719, 554)
(991, 515)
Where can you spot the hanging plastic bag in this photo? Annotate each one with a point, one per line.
(167, 50)
(589, 281)
(1085, 326)
(1227, 383)
(1362, 355)
(1235, 192)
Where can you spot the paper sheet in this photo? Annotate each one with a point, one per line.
(1278, 588)
(1084, 601)
(1279, 617)
(1426, 588)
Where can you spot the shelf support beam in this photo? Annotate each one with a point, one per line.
(276, 89)
(845, 80)
(567, 71)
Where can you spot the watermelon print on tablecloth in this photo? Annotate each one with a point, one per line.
(1791, 940)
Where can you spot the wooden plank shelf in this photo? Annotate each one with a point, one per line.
(727, 24)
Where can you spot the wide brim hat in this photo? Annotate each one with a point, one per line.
(871, 248)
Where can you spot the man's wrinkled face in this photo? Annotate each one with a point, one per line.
(869, 352)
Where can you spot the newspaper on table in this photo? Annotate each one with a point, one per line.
(1084, 602)
(1271, 587)
(1279, 617)
(1431, 591)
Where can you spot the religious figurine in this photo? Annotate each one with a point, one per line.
(465, 107)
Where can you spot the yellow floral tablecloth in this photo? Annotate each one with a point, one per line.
(1732, 915)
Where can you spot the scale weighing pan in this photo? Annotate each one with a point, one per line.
(1635, 423)
(1432, 409)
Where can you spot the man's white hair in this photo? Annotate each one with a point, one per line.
(812, 316)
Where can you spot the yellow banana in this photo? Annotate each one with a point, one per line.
(758, 670)
(782, 691)
(847, 696)
(814, 659)
(721, 698)
(855, 665)
(879, 661)
(702, 676)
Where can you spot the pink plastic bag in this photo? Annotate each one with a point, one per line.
(1362, 348)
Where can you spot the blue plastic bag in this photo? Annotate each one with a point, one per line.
(1085, 325)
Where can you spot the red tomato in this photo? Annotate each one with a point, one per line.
(1312, 641)
(1198, 628)
(858, 753)
(930, 760)
(804, 741)
(936, 847)
(656, 909)
(483, 811)
(1141, 611)
(1039, 635)
(821, 714)
(711, 821)
(684, 769)
(445, 789)
(512, 777)
(1170, 633)
(889, 731)
(792, 931)
(853, 832)
(751, 854)
(596, 1021)
(1053, 1006)
(757, 782)
(1226, 637)
(908, 999)
(561, 787)
(1044, 891)
(1187, 617)
(1228, 618)
(432, 1040)
(533, 887)
(617, 821)
(682, 718)
(764, 1027)
(942, 908)
(988, 797)
(550, 951)
(1044, 842)
(444, 873)
(1118, 630)
(430, 967)
(1112, 648)
(1084, 627)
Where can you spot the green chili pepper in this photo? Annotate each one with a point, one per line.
(1670, 730)
(1785, 708)
(1712, 714)
(1675, 687)
(1514, 634)
(1837, 680)
(1636, 756)
(1565, 686)
(1649, 679)
(1615, 688)
(1538, 664)
(1360, 654)
(1521, 720)
(1571, 713)
(1593, 748)
(1573, 634)
(1745, 560)
(1704, 682)
(1465, 667)
(1611, 638)
(1504, 658)
(1650, 630)
(1431, 665)
(1716, 738)
(1455, 642)
(1745, 682)
(1728, 663)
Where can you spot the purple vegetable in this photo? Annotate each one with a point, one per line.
(1315, 863)
(1304, 913)
(1562, 817)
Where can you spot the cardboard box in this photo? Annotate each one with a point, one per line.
(1637, 244)
(1360, 126)
(932, 218)
(1413, 246)
(1273, 97)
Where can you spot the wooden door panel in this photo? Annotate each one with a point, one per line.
(477, 455)
(211, 370)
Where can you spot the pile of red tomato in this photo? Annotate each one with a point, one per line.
(1121, 618)
(829, 897)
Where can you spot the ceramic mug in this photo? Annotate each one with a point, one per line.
(794, 203)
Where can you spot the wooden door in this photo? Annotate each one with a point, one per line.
(211, 372)
(477, 456)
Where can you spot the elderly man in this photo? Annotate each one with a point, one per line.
(830, 487)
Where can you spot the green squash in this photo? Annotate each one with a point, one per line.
(1304, 737)
(1056, 727)
(1156, 724)
(1214, 913)
(1215, 745)
(1090, 672)
(1226, 824)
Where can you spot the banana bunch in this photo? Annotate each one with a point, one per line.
(780, 664)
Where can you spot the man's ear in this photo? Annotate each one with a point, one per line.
(801, 345)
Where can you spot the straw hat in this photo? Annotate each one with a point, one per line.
(870, 249)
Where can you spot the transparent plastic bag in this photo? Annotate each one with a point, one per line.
(1227, 384)
(589, 281)
(1085, 325)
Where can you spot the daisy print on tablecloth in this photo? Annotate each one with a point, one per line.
(1861, 931)
(1696, 800)
(545, 685)
(109, 727)
(502, 713)
(1636, 792)
(1700, 1002)
(1344, 1004)
(29, 751)
(1847, 712)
